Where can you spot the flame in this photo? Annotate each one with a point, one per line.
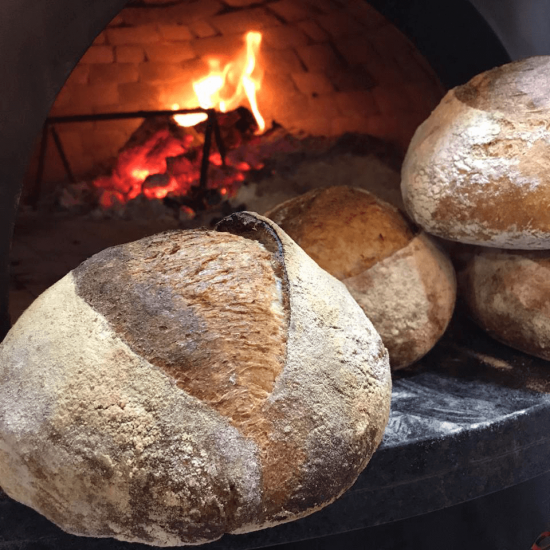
(225, 88)
(250, 85)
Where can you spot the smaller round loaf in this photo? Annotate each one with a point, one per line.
(478, 169)
(190, 384)
(508, 295)
(403, 282)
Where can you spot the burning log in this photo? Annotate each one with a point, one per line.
(164, 159)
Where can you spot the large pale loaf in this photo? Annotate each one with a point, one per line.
(190, 384)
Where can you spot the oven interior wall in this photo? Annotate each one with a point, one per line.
(331, 66)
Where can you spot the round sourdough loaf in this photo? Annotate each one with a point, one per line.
(190, 384)
(402, 280)
(478, 169)
(508, 295)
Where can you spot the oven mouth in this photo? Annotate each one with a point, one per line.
(42, 68)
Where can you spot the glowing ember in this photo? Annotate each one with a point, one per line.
(135, 165)
(140, 174)
(166, 162)
(226, 88)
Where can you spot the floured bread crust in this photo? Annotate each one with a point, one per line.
(190, 384)
(476, 170)
(508, 295)
(404, 283)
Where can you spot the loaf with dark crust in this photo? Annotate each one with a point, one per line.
(476, 170)
(404, 283)
(190, 384)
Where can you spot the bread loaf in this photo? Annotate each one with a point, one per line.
(477, 170)
(401, 279)
(508, 295)
(190, 384)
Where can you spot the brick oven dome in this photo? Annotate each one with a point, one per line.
(328, 67)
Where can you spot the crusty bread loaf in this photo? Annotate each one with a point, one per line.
(402, 280)
(477, 170)
(190, 384)
(508, 295)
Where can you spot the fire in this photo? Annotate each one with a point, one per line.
(166, 163)
(225, 88)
